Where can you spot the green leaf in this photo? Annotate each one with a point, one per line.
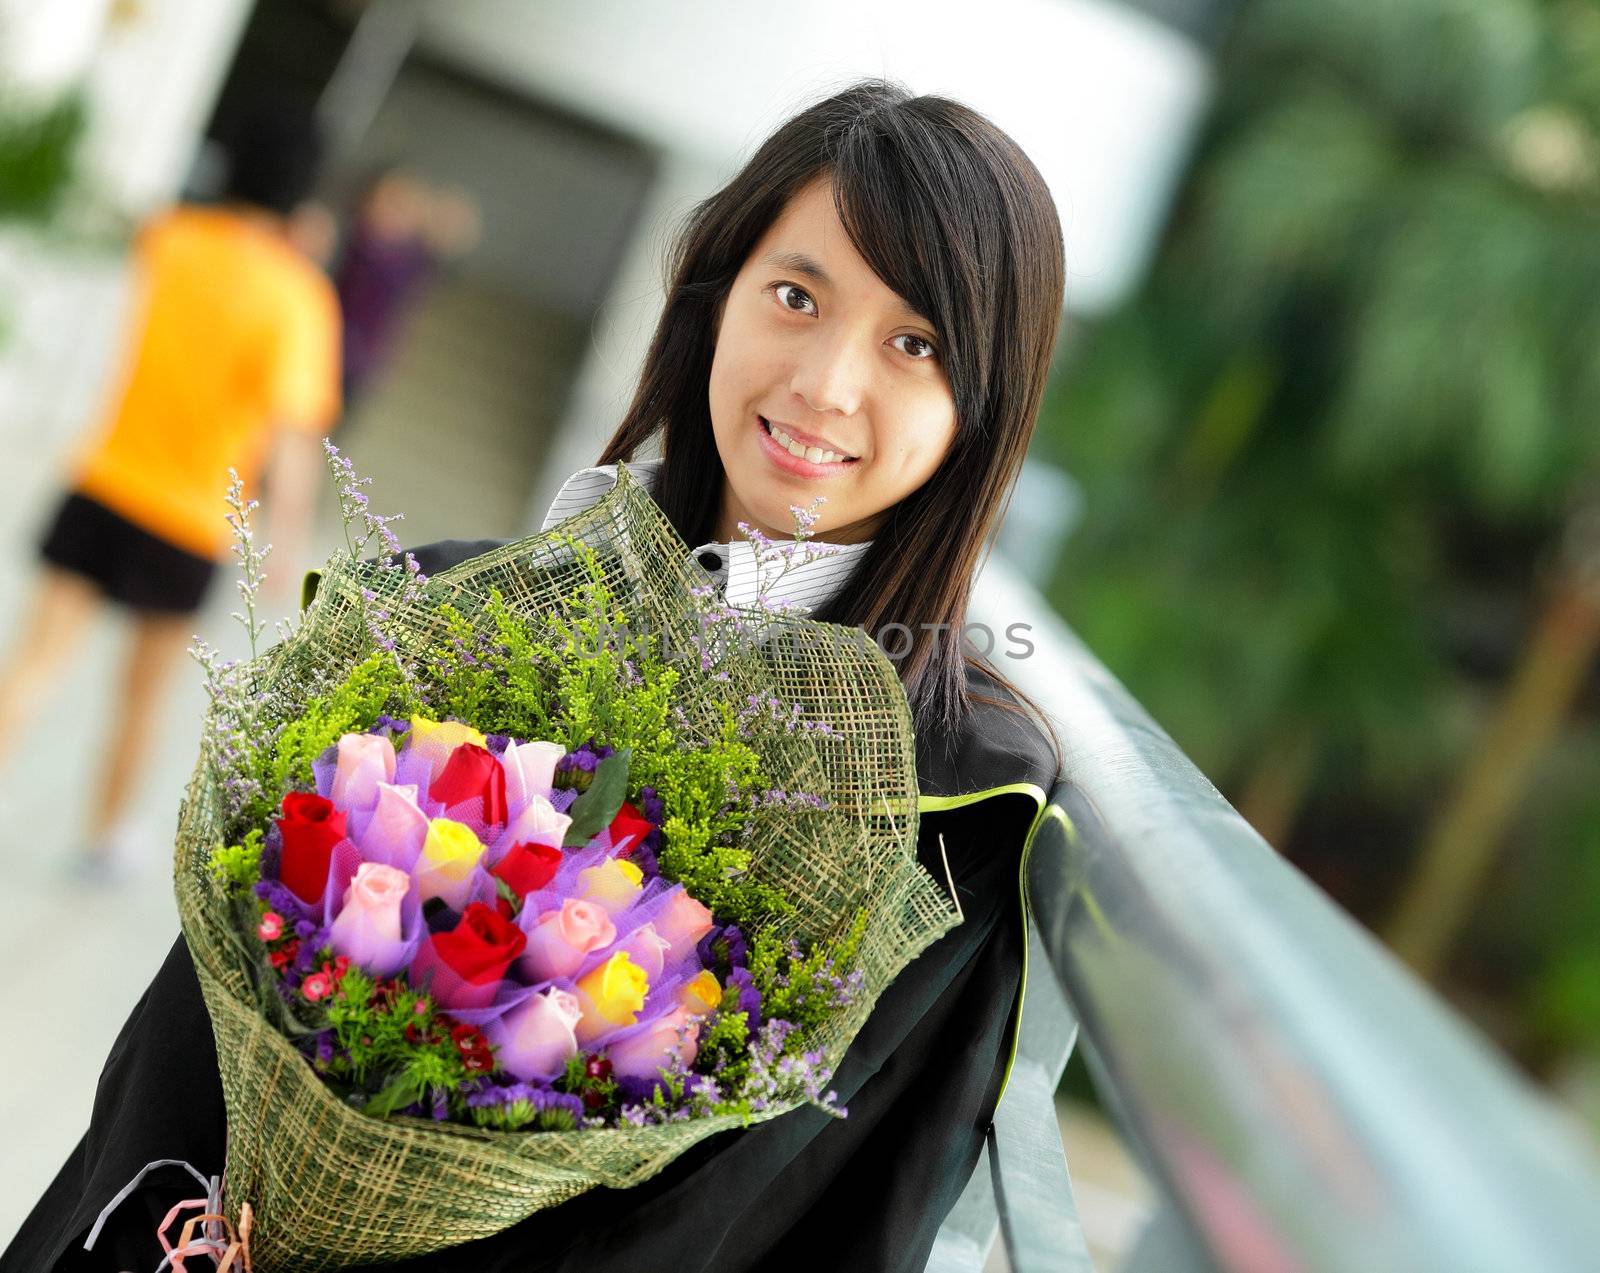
(404, 1090)
(593, 811)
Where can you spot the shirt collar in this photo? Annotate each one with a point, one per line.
(809, 583)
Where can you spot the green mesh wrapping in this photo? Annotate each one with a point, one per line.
(330, 1186)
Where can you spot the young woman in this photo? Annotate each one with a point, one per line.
(882, 281)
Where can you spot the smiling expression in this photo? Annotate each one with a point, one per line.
(816, 353)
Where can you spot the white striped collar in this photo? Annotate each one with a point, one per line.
(810, 583)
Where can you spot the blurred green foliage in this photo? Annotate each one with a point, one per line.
(38, 149)
(1329, 447)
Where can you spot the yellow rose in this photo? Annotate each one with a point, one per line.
(435, 740)
(611, 997)
(702, 993)
(451, 848)
(614, 884)
(444, 870)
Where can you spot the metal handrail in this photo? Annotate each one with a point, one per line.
(1302, 1100)
(1021, 1189)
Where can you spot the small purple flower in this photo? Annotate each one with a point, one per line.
(576, 768)
(749, 998)
(518, 1104)
(280, 899)
(644, 857)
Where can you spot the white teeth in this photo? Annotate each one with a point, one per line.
(799, 450)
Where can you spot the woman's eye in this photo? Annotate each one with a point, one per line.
(779, 289)
(921, 350)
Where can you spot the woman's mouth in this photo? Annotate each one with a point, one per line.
(794, 456)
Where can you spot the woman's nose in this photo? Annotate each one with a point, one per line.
(832, 374)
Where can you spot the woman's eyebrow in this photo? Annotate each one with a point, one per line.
(800, 263)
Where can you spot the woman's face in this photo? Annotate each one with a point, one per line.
(814, 345)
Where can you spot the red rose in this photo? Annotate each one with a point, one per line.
(473, 771)
(528, 867)
(481, 947)
(629, 828)
(310, 826)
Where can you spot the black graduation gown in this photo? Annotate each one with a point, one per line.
(866, 1192)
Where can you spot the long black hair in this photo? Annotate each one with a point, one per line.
(948, 211)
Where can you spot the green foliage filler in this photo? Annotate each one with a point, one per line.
(372, 688)
(800, 987)
(387, 1032)
(238, 866)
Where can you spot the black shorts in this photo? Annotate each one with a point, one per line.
(130, 565)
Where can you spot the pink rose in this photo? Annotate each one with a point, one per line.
(683, 922)
(538, 823)
(534, 1040)
(368, 927)
(560, 940)
(648, 949)
(643, 1055)
(393, 830)
(530, 770)
(364, 761)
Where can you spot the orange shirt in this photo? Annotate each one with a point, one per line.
(236, 335)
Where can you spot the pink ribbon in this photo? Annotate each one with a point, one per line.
(227, 1248)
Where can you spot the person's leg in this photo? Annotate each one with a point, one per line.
(63, 605)
(156, 648)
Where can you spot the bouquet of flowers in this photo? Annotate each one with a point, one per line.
(525, 878)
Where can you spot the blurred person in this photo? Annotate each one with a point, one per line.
(231, 360)
(402, 231)
(314, 230)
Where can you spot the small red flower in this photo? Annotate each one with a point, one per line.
(271, 926)
(317, 986)
(476, 1054)
(597, 1067)
(593, 1100)
(413, 1032)
(286, 954)
(341, 965)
